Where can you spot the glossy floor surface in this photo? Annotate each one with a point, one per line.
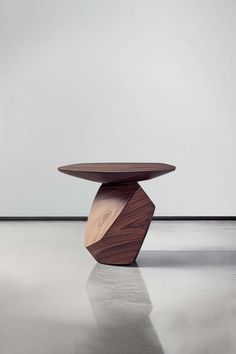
(179, 298)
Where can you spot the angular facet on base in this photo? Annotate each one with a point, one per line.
(118, 222)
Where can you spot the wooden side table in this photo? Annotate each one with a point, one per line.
(121, 211)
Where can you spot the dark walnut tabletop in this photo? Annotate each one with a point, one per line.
(117, 172)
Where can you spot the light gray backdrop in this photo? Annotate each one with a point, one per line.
(90, 81)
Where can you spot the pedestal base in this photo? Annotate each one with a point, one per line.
(118, 222)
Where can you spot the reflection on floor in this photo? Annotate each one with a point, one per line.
(121, 307)
(178, 298)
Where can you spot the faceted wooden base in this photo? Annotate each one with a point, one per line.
(118, 222)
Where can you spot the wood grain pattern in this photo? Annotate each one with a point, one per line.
(109, 201)
(123, 238)
(118, 172)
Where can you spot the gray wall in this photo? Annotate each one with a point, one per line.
(90, 81)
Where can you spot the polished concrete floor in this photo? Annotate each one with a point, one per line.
(179, 298)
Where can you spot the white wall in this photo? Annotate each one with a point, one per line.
(90, 81)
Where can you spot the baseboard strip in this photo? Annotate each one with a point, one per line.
(84, 218)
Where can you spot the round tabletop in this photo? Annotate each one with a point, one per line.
(117, 172)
